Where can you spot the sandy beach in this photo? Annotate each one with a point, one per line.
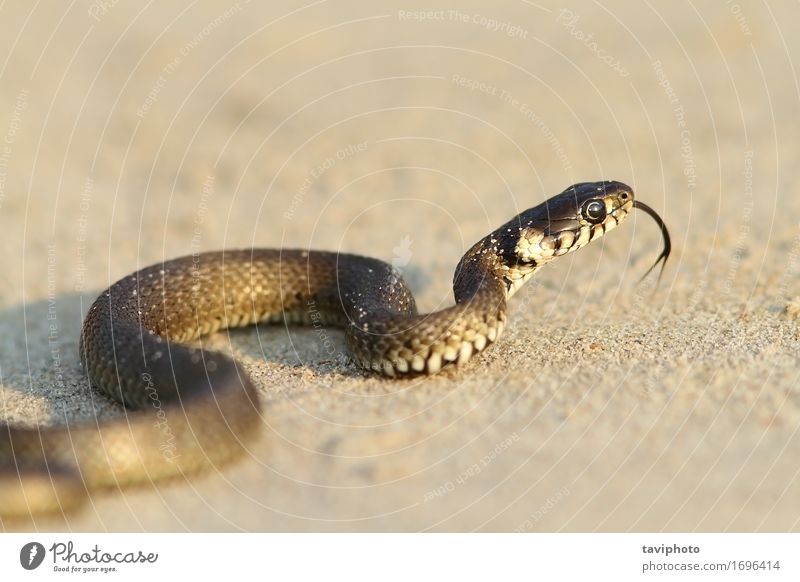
(407, 132)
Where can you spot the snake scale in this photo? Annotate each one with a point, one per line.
(190, 409)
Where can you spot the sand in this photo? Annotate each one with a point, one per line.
(132, 134)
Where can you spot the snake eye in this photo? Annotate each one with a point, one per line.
(594, 211)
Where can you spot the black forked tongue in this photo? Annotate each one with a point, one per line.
(662, 258)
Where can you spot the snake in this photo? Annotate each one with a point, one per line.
(190, 409)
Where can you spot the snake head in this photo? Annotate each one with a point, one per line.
(564, 223)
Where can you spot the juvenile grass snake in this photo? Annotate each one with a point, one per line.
(190, 409)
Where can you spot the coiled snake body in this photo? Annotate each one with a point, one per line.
(195, 408)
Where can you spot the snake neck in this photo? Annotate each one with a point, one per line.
(493, 266)
(399, 343)
(480, 276)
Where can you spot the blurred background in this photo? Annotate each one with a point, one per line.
(134, 132)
